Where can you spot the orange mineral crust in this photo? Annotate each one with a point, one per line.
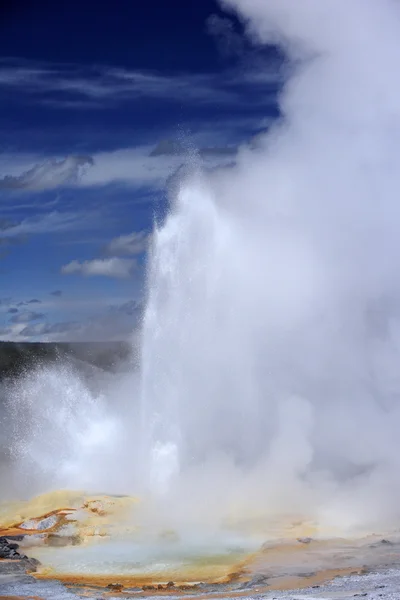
(99, 540)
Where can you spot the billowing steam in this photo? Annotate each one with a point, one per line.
(271, 339)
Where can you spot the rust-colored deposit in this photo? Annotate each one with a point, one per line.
(50, 513)
(187, 577)
(123, 588)
(21, 597)
(70, 518)
(283, 566)
(20, 527)
(86, 519)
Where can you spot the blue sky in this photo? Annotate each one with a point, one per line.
(99, 103)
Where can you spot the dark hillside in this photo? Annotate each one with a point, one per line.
(17, 357)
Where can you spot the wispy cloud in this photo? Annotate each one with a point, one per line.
(48, 223)
(118, 268)
(115, 320)
(41, 331)
(9, 239)
(130, 244)
(141, 167)
(26, 317)
(26, 302)
(138, 168)
(148, 165)
(104, 84)
(49, 174)
(50, 330)
(130, 308)
(106, 327)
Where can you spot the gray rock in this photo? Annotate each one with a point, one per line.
(13, 567)
(9, 554)
(254, 582)
(16, 579)
(8, 549)
(13, 546)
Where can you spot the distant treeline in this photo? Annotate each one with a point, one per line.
(15, 358)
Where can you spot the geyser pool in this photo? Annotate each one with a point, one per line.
(145, 561)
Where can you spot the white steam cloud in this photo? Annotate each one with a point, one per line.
(276, 284)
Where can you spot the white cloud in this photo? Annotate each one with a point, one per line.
(119, 268)
(116, 322)
(15, 164)
(48, 223)
(113, 327)
(49, 174)
(57, 329)
(98, 318)
(105, 84)
(12, 333)
(26, 317)
(132, 243)
(132, 166)
(144, 166)
(135, 167)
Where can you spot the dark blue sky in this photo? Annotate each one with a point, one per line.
(88, 91)
(146, 35)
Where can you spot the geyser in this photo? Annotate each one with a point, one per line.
(269, 386)
(271, 335)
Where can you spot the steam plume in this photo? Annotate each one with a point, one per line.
(271, 340)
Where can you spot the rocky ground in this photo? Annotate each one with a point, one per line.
(16, 582)
(13, 561)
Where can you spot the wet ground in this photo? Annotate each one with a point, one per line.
(305, 569)
(83, 554)
(376, 585)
